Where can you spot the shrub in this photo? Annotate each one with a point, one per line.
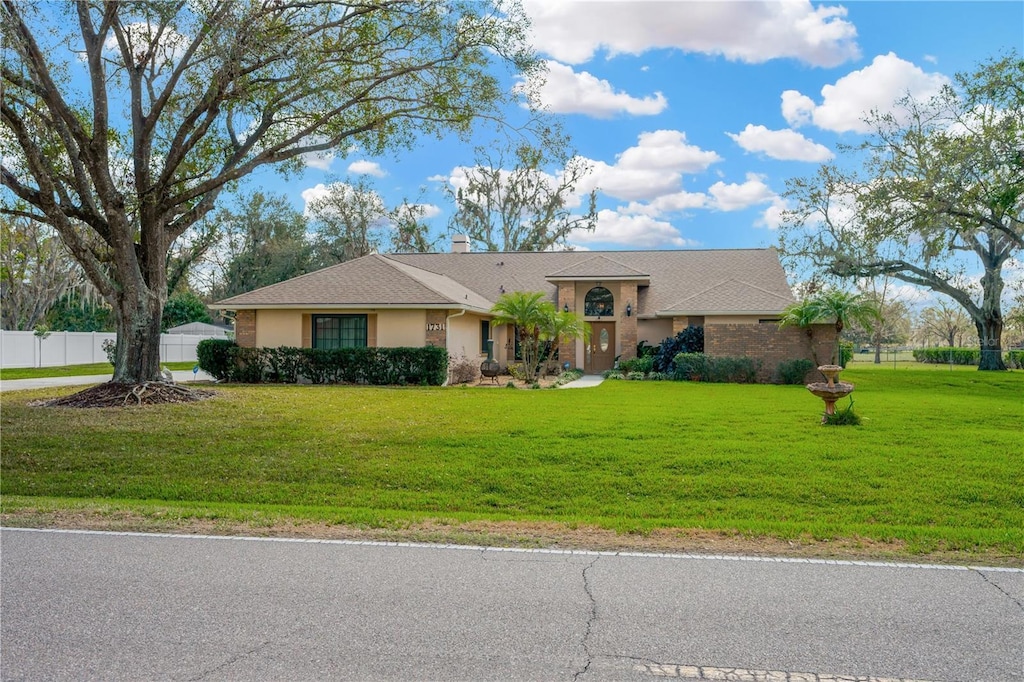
(942, 356)
(516, 371)
(462, 370)
(657, 376)
(643, 365)
(567, 376)
(645, 351)
(285, 365)
(110, 348)
(378, 366)
(635, 376)
(1015, 359)
(214, 357)
(690, 340)
(689, 367)
(612, 374)
(699, 367)
(845, 353)
(793, 371)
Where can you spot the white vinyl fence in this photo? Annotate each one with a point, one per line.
(25, 349)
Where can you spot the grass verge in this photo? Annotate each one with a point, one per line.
(934, 472)
(76, 370)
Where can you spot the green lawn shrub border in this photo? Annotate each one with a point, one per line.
(227, 361)
(724, 369)
(963, 356)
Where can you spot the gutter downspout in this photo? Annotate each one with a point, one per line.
(447, 329)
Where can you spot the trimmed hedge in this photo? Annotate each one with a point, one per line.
(227, 361)
(946, 356)
(700, 367)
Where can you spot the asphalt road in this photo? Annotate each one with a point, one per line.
(80, 606)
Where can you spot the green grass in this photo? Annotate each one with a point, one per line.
(938, 463)
(75, 370)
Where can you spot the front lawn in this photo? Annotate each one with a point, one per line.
(937, 466)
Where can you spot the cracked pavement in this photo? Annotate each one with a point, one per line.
(128, 607)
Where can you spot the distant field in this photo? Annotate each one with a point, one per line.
(75, 370)
(936, 467)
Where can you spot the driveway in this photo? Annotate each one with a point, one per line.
(83, 605)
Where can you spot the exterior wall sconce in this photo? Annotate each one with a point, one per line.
(629, 309)
(565, 308)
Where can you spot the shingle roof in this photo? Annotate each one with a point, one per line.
(597, 267)
(737, 281)
(371, 280)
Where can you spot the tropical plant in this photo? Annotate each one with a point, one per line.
(831, 305)
(531, 314)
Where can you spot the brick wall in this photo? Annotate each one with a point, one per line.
(245, 328)
(770, 344)
(627, 325)
(567, 297)
(437, 334)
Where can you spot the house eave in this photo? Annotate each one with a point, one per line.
(713, 313)
(350, 306)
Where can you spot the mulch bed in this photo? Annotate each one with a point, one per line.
(126, 395)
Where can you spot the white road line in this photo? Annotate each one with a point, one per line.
(705, 672)
(521, 550)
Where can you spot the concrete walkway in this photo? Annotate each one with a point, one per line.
(181, 377)
(585, 381)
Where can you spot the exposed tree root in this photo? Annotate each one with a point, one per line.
(125, 395)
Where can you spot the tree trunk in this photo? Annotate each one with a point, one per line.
(990, 333)
(138, 312)
(878, 347)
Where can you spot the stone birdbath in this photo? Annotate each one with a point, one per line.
(830, 391)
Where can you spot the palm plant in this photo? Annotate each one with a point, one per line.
(840, 307)
(844, 308)
(530, 313)
(565, 326)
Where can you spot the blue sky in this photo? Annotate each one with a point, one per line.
(692, 115)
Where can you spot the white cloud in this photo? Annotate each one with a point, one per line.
(735, 197)
(364, 167)
(319, 160)
(785, 145)
(753, 31)
(630, 231)
(652, 168)
(566, 92)
(875, 87)
(772, 217)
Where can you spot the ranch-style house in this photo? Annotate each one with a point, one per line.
(444, 299)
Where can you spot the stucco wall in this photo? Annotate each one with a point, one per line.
(278, 328)
(654, 331)
(401, 328)
(770, 344)
(464, 336)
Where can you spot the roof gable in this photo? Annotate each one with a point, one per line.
(731, 295)
(597, 267)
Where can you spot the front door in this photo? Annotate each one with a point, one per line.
(602, 346)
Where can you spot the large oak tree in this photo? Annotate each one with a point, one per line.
(939, 200)
(124, 121)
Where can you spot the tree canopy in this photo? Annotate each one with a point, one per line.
(938, 197)
(124, 121)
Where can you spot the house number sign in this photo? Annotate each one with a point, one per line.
(435, 327)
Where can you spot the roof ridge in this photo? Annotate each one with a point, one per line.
(754, 286)
(702, 291)
(401, 267)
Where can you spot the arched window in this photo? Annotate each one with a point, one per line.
(599, 303)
